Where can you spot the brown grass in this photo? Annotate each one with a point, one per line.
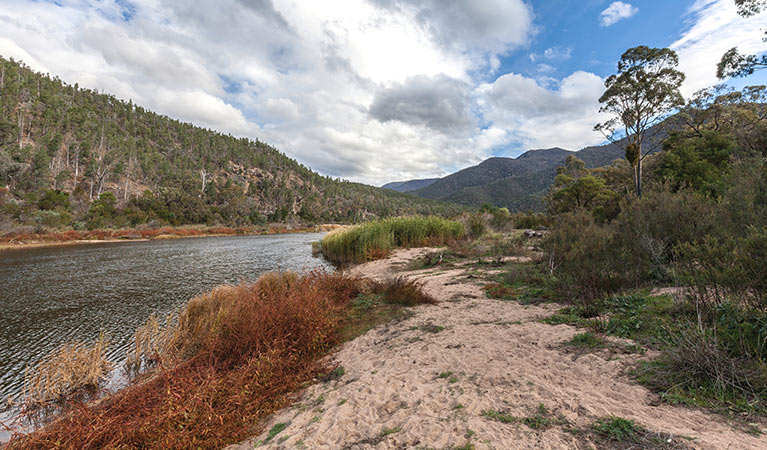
(403, 292)
(239, 352)
(71, 370)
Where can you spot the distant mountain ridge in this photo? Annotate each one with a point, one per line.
(410, 185)
(521, 183)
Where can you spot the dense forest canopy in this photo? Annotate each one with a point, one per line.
(73, 157)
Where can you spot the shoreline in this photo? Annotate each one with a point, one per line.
(75, 238)
(442, 377)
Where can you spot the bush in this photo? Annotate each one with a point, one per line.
(648, 230)
(476, 224)
(375, 240)
(719, 270)
(52, 200)
(698, 369)
(534, 221)
(581, 255)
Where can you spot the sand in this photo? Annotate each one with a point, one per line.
(498, 357)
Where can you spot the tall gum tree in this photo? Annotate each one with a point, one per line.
(641, 94)
(734, 63)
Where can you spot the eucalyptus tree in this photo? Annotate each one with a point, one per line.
(643, 92)
(734, 63)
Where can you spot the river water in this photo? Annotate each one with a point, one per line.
(49, 296)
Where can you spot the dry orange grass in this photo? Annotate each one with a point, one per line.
(239, 351)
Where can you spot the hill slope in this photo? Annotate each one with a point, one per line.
(491, 170)
(520, 183)
(55, 136)
(410, 185)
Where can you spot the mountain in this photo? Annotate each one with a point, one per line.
(521, 183)
(492, 170)
(410, 185)
(62, 147)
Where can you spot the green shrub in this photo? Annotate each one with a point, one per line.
(719, 270)
(476, 224)
(649, 229)
(534, 221)
(52, 200)
(698, 369)
(52, 218)
(617, 428)
(581, 255)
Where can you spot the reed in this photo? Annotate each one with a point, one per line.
(71, 370)
(152, 345)
(374, 240)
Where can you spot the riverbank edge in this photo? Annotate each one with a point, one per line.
(75, 237)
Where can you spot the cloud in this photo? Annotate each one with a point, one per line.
(368, 90)
(616, 12)
(440, 103)
(716, 27)
(540, 117)
(491, 25)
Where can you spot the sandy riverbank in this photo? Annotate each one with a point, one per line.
(500, 358)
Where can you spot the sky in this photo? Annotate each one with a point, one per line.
(374, 90)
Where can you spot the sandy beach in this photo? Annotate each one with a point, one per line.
(426, 381)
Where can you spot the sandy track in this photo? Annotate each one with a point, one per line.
(501, 358)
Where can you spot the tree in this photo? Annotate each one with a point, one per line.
(748, 8)
(700, 163)
(576, 188)
(644, 90)
(735, 64)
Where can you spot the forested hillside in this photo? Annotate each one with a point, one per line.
(73, 157)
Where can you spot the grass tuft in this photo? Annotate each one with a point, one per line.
(403, 292)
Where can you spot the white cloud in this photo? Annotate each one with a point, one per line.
(370, 90)
(539, 117)
(616, 12)
(716, 27)
(553, 54)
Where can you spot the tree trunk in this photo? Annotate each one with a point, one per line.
(639, 178)
(21, 126)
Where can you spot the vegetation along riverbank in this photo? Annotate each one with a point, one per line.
(70, 237)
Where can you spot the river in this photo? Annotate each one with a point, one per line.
(53, 295)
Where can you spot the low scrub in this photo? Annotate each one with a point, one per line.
(619, 433)
(700, 369)
(238, 352)
(374, 240)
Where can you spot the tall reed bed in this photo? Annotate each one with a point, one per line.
(235, 354)
(376, 239)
